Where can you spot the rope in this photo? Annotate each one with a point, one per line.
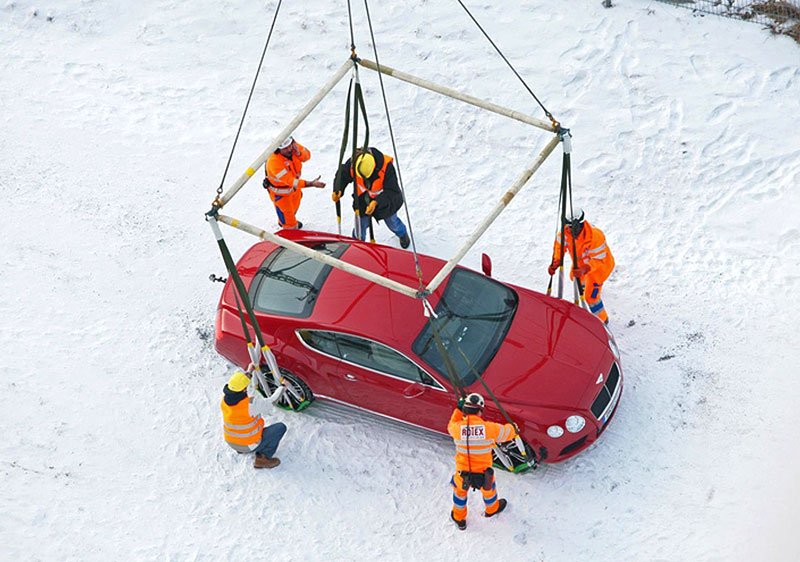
(249, 97)
(417, 265)
(514, 70)
(352, 37)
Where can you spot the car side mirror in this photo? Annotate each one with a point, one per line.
(486, 265)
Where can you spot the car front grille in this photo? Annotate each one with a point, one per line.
(572, 446)
(605, 397)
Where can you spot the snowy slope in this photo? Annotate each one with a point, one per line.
(117, 119)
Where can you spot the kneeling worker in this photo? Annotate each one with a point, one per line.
(242, 411)
(474, 439)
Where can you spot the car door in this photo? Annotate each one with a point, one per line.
(380, 379)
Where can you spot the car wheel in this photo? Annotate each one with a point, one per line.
(512, 458)
(296, 397)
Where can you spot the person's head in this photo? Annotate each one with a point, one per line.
(575, 219)
(473, 404)
(287, 146)
(238, 381)
(365, 165)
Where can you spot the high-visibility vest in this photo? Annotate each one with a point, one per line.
(474, 439)
(242, 431)
(283, 174)
(376, 187)
(592, 250)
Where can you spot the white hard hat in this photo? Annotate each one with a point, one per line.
(286, 142)
(474, 401)
(575, 216)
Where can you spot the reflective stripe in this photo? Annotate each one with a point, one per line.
(472, 451)
(599, 256)
(460, 502)
(280, 174)
(597, 307)
(374, 194)
(505, 434)
(281, 191)
(241, 435)
(491, 500)
(295, 183)
(473, 442)
(600, 248)
(242, 426)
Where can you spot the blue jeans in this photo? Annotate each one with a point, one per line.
(392, 222)
(270, 437)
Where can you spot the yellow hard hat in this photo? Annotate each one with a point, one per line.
(365, 165)
(238, 381)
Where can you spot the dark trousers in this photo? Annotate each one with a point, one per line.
(270, 437)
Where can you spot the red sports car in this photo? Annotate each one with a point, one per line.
(552, 365)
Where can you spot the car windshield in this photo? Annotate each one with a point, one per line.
(288, 283)
(474, 315)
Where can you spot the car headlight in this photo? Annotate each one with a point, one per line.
(574, 424)
(555, 431)
(612, 343)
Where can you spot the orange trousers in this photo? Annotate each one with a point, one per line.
(489, 492)
(286, 207)
(591, 294)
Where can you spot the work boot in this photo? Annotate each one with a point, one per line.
(299, 225)
(263, 461)
(462, 524)
(405, 241)
(503, 503)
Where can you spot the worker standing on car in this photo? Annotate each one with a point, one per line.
(376, 194)
(474, 439)
(594, 262)
(242, 411)
(283, 169)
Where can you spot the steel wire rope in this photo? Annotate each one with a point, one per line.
(514, 70)
(249, 97)
(417, 264)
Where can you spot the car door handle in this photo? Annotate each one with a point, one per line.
(351, 377)
(413, 391)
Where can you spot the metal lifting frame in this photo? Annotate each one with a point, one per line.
(368, 275)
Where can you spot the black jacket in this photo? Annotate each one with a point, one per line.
(389, 202)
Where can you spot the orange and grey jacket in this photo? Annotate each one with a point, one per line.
(381, 186)
(283, 174)
(242, 429)
(474, 439)
(592, 250)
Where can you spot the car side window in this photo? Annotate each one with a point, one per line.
(378, 357)
(322, 341)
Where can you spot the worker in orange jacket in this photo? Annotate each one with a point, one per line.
(283, 182)
(594, 264)
(243, 422)
(474, 439)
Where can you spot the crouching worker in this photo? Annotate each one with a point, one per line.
(242, 411)
(474, 439)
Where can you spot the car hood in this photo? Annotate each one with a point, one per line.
(551, 357)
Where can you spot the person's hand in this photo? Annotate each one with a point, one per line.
(554, 266)
(336, 195)
(371, 207)
(582, 271)
(316, 183)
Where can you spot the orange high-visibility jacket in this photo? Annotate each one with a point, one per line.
(242, 430)
(376, 185)
(284, 173)
(592, 250)
(474, 439)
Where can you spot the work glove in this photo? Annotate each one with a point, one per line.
(582, 270)
(371, 207)
(336, 195)
(554, 266)
(265, 183)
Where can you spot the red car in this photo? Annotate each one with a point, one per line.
(552, 365)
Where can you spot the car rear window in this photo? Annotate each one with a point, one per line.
(287, 283)
(473, 318)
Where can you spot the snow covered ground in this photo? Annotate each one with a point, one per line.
(117, 119)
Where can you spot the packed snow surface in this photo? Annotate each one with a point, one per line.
(117, 119)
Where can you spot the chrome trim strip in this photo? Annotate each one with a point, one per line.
(614, 397)
(437, 386)
(354, 407)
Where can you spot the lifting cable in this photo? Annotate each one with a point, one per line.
(217, 202)
(514, 70)
(417, 265)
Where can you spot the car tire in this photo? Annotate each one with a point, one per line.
(297, 396)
